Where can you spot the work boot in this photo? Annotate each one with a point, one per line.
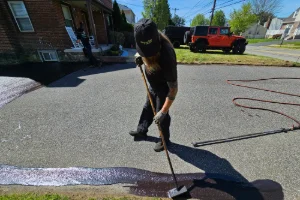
(159, 145)
(138, 134)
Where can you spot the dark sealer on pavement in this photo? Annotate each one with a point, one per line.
(145, 183)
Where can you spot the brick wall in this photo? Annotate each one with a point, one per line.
(49, 29)
(8, 37)
(100, 28)
(108, 3)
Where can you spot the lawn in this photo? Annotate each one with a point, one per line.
(184, 56)
(33, 196)
(288, 45)
(253, 41)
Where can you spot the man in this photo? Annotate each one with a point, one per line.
(158, 55)
(81, 36)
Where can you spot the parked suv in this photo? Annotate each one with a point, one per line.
(175, 34)
(201, 38)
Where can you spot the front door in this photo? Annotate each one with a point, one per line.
(213, 37)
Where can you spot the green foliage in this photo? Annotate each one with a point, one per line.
(241, 19)
(117, 37)
(116, 15)
(178, 21)
(120, 21)
(199, 20)
(159, 12)
(148, 9)
(219, 18)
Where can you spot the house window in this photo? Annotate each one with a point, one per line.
(67, 15)
(21, 16)
(48, 55)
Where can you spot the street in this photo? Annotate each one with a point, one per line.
(263, 49)
(83, 120)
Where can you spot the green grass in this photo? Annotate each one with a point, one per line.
(184, 56)
(33, 197)
(253, 41)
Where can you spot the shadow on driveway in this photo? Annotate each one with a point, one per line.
(220, 180)
(47, 73)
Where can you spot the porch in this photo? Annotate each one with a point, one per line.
(97, 22)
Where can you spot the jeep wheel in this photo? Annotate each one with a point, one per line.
(238, 48)
(176, 44)
(242, 48)
(193, 49)
(226, 50)
(201, 46)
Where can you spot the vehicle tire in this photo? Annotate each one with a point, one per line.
(187, 37)
(242, 48)
(226, 51)
(193, 49)
(201, 46)
(239, 47)
(176, 44)
(235, 48)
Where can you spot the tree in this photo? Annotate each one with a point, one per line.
(124, 20)
(116, 15)
(148, 9)
(219, 18)
(178, 21)
(265, 8)
(199, 20)
(241, 19)
(161, 14)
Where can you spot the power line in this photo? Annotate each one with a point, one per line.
(191, 8)
(132, 4)
(201, 9)
(231, 4)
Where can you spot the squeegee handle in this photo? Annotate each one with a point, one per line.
(159, 128)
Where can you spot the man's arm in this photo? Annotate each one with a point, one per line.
(173, 89)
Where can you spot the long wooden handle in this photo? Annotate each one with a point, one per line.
(159, 128)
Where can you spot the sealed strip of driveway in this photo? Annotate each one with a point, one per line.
(144, 183)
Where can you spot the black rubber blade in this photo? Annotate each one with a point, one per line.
(177, 192)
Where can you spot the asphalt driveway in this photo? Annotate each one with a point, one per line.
(83, 120)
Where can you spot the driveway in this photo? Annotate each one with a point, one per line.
(83, 120)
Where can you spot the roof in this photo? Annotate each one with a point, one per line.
(290, 18)
(123, 7)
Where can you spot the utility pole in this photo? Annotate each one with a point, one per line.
(213, 10)
(175, 10)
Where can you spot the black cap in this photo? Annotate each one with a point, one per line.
(146, 38)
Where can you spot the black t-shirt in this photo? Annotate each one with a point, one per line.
(168, 67)
(82, 36)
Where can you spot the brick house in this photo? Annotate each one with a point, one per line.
(41, 30)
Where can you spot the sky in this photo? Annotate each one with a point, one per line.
(189, 8)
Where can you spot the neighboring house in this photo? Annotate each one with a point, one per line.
(287, 28)
(130, 16)
(255, 31)
(42, 30)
